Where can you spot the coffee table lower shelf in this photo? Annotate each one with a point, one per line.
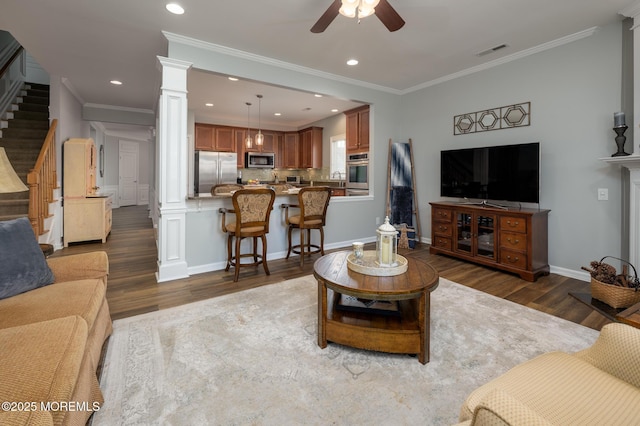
(376, 331)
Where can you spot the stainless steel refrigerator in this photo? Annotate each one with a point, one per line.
(213, 168)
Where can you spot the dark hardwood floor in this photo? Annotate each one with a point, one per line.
(132, 287)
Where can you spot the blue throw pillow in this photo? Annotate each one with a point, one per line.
(22, 263)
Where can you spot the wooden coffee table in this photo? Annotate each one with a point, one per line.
(403, 328)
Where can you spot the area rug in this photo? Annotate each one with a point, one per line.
(251, 358)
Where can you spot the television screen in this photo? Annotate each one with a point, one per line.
(499, 173)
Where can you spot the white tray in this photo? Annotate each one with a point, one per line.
(370, 266)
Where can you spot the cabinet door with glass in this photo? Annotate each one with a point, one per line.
(475, 234)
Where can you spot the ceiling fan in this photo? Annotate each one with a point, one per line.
(360, 9)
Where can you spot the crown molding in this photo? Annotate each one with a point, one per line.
(66, 83)
(506, 59)
(188, 41)
(118, 108)
(631, 11)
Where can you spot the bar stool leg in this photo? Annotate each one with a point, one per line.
(237, 262)
(321, 241)
(229, 253)
(289, 238)
(302, 245)
(264, 254)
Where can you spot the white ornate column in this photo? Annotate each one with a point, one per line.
(172, 170)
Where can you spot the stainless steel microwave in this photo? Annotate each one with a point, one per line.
(259, 160)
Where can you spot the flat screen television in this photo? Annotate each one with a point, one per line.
(498, 173)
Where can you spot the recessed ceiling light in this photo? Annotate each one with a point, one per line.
(334, 110)
(175, 8)
(232, 78)
(317, 95)
(116, 82)
(352, 62)
(209, 104)
(277, 114)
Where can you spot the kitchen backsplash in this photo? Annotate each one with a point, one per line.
(269, 175)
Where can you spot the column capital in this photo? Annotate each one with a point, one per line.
(632, 11)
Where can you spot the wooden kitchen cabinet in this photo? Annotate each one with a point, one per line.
(291, 150)
(87, 219)
(210, 137)
(311, 147)
(513, 240)
(357, 132)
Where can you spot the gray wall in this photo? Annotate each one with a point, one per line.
(574, 90)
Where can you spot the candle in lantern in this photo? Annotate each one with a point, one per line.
(618, 119)
(386, 250)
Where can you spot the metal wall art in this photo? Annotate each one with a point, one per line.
(505, 117)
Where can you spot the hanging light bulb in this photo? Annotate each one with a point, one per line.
(259, 136)
(367, 8)
(247, 141)
(358, 8)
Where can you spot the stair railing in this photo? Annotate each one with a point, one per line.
(43, 180)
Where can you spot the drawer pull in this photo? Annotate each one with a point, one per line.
(513, 260)
(443, 228)
(516, 241)
(513, 224)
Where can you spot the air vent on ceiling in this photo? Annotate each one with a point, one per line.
(493, 49)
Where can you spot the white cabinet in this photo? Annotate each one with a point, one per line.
(87, 216)
(87, 219)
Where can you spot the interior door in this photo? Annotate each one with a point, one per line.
(128, 165)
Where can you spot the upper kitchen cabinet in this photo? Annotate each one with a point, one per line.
(268, 144)
(291, 150)
(358, 129)
(311, 147)
(214, 138)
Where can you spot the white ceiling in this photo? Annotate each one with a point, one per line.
(92, 42)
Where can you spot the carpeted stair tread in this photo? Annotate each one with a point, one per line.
(4, 217)
(14, 207)
(18, 123)
(24, 133)
(31, 115)
(33, 107)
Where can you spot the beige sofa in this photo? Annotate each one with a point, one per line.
(597, 386)
(50, 344)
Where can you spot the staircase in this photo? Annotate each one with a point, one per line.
(22, 133)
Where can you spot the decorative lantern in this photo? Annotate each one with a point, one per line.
(386, 244)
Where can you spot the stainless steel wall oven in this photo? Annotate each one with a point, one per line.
(358, 172)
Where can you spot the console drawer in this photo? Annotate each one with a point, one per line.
(442, 215)
(442, 243)
(513, 241)
(443, 229)
(512, 258)
(513, 224)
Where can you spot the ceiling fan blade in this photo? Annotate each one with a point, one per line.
(327, 17)
(389, 16)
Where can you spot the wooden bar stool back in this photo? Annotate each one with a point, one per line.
(252, 209)
(225, 188)
(312, 202)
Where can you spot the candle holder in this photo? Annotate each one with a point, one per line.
(386, 244)
(620, 140)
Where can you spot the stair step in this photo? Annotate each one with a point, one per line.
(18, 143)
(20, 123)
(14, 207)
(32, 115)
(38, 86)
(26, 106)
(12, 216)
(24, 133)
(37, 93)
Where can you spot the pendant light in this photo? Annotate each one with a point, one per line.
(247, 141)
(259, 136)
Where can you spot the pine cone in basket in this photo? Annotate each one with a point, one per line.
(602, 272)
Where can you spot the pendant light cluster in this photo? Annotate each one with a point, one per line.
(259, 136)
(248, 141)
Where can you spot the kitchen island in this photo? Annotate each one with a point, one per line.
(204, 230)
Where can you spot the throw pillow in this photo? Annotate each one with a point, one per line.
(22, 263)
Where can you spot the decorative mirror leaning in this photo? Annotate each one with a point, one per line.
(505, 117)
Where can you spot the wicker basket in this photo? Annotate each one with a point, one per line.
(613, 295)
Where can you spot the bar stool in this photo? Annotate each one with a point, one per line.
(252, 208)
(312, 202)
(225, 188)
